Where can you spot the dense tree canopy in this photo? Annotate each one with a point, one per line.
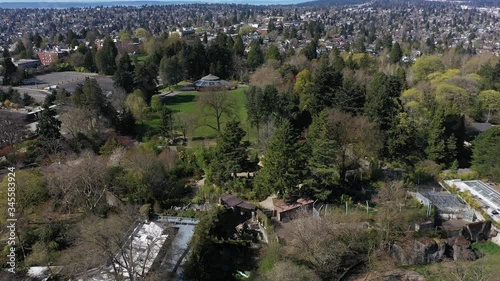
(486, 152)
(230, 154)
(282, 169)
(337, 142)
(105, 57)
(124, 75)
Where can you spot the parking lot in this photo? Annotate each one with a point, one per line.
(68, 80)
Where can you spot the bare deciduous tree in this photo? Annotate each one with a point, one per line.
(80, 183)
(462, 272)
(184, 123)
(266, 75)
(215, 105)
(394, 216)
(12, 129)
(77, 120)
(330, 248)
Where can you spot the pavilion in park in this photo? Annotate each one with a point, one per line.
(212, 83)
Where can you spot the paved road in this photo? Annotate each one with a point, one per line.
(168, 94)
(38, 95)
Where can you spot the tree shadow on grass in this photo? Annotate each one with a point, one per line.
(178, 99)
(208, 138)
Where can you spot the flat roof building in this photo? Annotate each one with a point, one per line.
(26, 63)
(447, 205)
(480, 189)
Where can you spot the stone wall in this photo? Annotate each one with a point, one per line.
(477, 231)
(429, 250)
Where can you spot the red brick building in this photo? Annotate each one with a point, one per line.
(47, 58)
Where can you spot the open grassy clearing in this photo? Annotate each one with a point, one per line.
(138, 58)
(186, 102)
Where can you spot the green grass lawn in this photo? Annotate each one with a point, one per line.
(138, 57)
(186, 102)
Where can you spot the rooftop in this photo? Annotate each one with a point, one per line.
(444, 201)
(233, 201)
(480, 189)
(212, 81)
(281, 205)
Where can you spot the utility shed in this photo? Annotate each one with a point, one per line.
(288, 209)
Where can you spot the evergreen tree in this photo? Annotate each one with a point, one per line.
(255, 104)
(191, 62)
(436, 137)
(255, 56)
(10, 70)
(145, 80)
(124, 75)
(70, 36)
(401, 74)
(20, 48)
(16, 98)
(282, 169)
(310, 50)
(387, 41)
(239, 47)
(271, 26)
(89, 96)
(220, 57)
(337, 141)
(126, 122)
(166, 122)
(105, 58)
(351, 97)
(27, 99)
(199, 66)
(485, 154)
(229, 42)
(403, 141)
(170, 70)
(50, 99)
(381, 100)
(205, 38)
(37, 40)
(273, 53)
(88, 60)
(322, 149)
(396, 53)
(48, 127)
(336, 60)
(327, 81)
(230, 154)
